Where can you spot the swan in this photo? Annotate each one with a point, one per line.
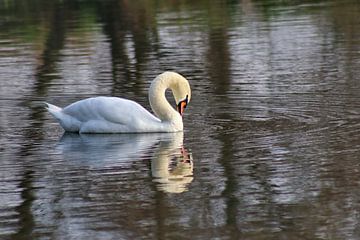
(119, 115)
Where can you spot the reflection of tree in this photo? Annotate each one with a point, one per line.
(218, 58)
(127, 23)
(47, 66)
(50, 55)
(26, 222)
(231, 185)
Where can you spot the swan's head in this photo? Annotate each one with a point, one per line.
(181, 91)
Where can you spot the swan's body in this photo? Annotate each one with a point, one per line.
(118, 115)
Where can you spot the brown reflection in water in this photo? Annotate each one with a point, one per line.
(26, 218)
(56, 16)
(128, 23)
(47, 68)
(218, 59)
(219, 70)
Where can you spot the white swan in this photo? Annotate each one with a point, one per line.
(118, 115)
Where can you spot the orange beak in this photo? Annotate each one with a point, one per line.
(181, 107)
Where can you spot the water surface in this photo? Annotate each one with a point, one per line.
(271, 142)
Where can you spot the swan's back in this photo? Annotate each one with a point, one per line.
(107, 115)
(113, 109)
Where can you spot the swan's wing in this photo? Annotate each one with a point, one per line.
(110, 109)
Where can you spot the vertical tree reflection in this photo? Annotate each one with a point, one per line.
(55, 14)
(218, 58)
(128, 26)
(26, 221)
(52, 46)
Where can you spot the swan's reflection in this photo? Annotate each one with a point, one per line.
(173, 180)
(171, 163)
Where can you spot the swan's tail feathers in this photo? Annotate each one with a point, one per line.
(54, 110)
(51, 107)
(68, 123)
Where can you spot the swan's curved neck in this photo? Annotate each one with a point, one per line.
(158, 101)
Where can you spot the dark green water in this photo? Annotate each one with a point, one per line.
(271, 147)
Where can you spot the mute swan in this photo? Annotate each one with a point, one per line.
(118, 115)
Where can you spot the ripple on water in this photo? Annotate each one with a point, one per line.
(10, 195)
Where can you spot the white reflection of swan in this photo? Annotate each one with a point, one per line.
(106, 150)
(172, 180)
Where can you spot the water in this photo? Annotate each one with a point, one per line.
(271, 142)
